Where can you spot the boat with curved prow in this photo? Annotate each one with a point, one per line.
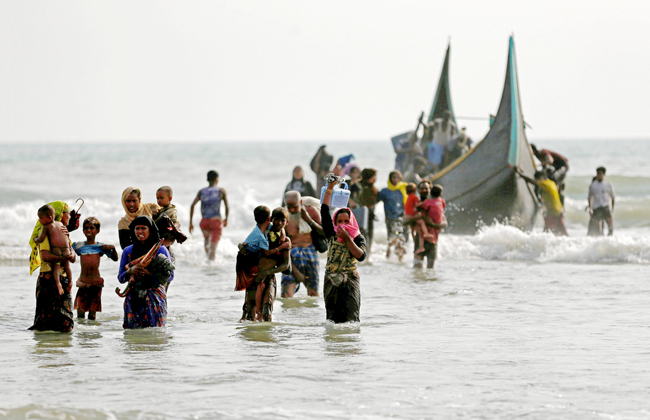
(480, 187)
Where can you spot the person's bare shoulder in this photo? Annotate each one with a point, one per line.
(313, 213)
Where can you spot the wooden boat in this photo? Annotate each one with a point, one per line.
(480, 187)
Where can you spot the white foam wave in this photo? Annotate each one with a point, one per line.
(507, 243)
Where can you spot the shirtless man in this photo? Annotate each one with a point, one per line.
(304, 216)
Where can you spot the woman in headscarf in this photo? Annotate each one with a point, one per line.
(352, 173)
(145, 304)
(53, 311)
(341, 288)
(133, 206)
(365, 194)
(299, 184)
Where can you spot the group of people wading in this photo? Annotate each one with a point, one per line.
(287, 240)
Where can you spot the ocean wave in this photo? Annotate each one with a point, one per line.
(507, 243)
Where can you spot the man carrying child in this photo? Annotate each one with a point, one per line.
(432, 207)
(304, 216)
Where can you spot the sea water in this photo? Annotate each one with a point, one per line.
(508, 324)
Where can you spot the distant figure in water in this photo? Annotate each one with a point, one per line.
(211, 222)
(556, 167)
(321, 164)
(550, 197)
(394, 198)
(432, 206)
(299, 184)
(600, 194)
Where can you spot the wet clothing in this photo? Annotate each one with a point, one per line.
(53, 311)
(550, 196)
(268, 298)
(395, 229)
(430, 249)
(602, 213)
(247, 262)
(554, 223)
(145, 304)
(305, 260)
(342, 295)
(210, 202)
(211, 229)
(341, 285)
(89, 298)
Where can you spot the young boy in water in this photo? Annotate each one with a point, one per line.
(59, 242)
(164, 197)
(278, 241)
(252, 253)
(90, 283)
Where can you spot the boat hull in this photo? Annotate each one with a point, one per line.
(481, 187)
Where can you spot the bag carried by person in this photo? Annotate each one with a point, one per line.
(319, 241)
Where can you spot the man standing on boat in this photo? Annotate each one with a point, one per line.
(600, 194)
(444, 130)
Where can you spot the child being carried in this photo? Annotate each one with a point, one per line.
(57, 234)
(261, 252)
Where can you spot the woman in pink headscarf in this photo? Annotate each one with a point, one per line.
(347, 245)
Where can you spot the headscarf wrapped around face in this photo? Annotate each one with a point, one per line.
(352, 228)
(35, 260)
(143, 210)
(139, 249)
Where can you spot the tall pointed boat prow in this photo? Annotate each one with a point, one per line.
(480, 187)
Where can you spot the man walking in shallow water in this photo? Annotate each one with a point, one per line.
(600, 194)
(304, 216)
(211, 223)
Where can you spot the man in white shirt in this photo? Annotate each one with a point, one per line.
(600, 194)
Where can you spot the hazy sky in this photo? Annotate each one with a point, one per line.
(314, 70)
